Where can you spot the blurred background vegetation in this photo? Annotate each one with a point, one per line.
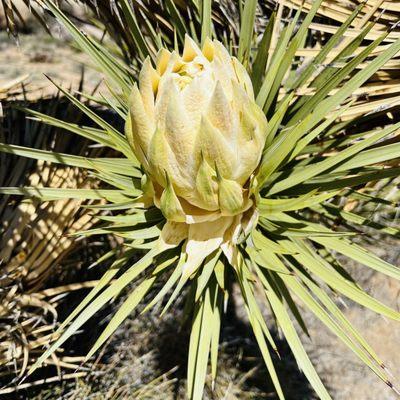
(45, 271)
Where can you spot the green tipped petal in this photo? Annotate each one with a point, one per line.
(216, 148)
(141, 125)
(220, 113)
(230, 196)
(206, 186)
(170, 204)
(148, 84)
(147, 186)
(243, 77)
(158, 157)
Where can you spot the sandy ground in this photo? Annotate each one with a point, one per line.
(345, 376)
(36, 55)
(342, 371)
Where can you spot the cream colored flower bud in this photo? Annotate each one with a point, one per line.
(195, 127)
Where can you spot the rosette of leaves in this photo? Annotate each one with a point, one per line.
(307, 170)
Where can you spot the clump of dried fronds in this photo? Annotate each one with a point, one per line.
(12, 87)
(34, 239)
(387, 11)
(367, 21)
(14, 15)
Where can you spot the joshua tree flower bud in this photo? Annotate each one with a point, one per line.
(198, 133)
(191, 115)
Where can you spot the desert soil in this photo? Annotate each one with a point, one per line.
(33, 56)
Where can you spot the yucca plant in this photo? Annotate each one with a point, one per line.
(228, 171)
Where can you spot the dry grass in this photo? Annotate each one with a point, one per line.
(380, 95)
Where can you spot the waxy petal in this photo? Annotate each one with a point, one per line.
(139, 127)
(208, 49)
(190, 49)
(220, 113)
(222, 54)
(207, 187)
(196, 97)
(162, 61)
(203, 239)
(163, 161)
(170, 205)
(148, 85)
(173, 234)
(179, 133)
(216, 148)
(243, 77)
(230, 196)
